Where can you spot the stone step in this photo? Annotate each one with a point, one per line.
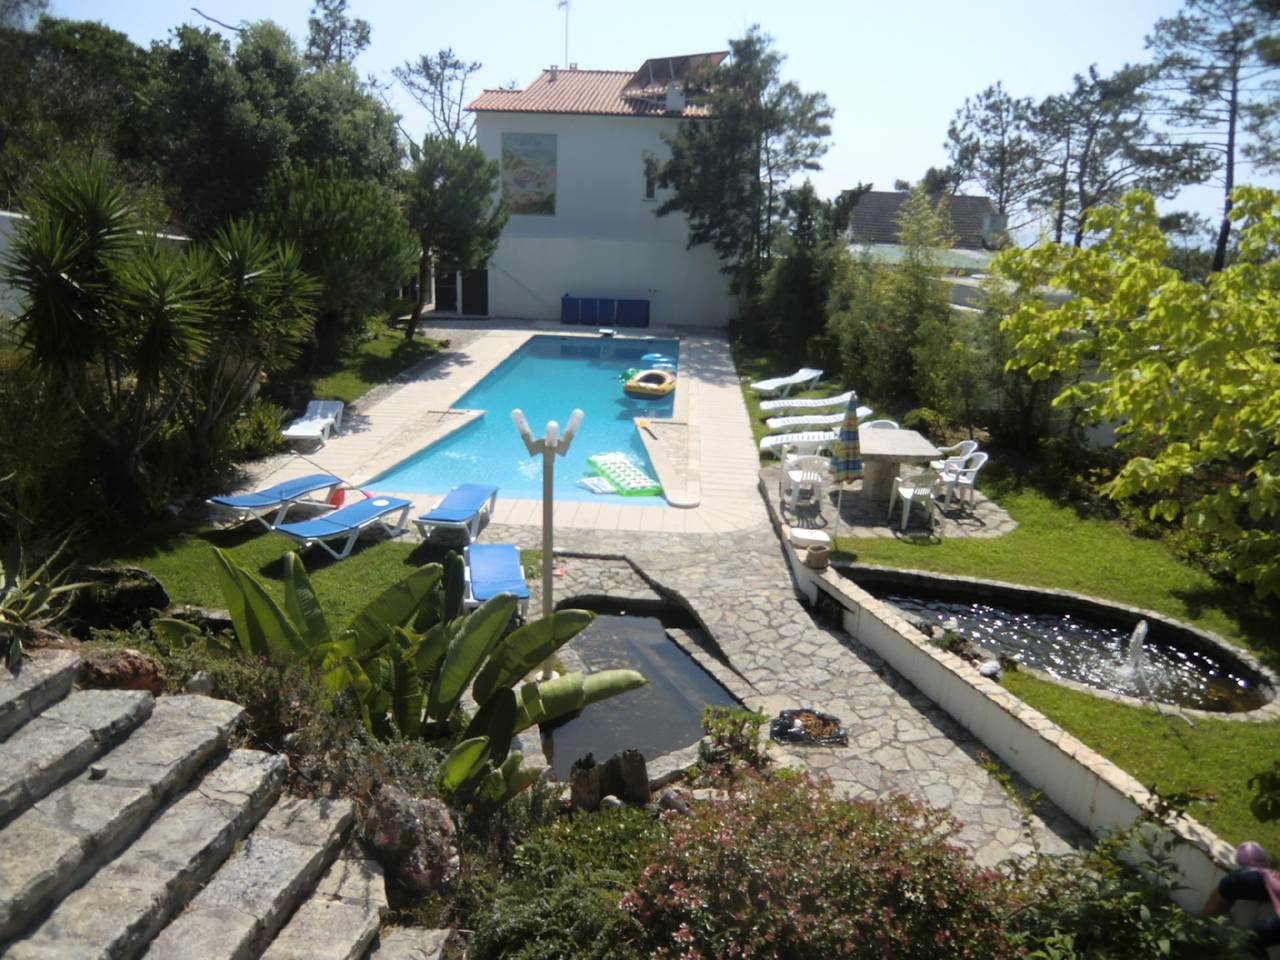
(240, 910)
(126, 903)
(411, 943)
(45, 678)
(58, 842)
(340, 918)
(58, 743)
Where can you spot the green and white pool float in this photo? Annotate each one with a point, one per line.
(627, 479)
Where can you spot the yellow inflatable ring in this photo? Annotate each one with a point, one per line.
(650, 383)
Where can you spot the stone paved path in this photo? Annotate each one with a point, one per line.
(739, 586)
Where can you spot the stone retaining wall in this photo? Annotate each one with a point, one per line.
(1089, 788)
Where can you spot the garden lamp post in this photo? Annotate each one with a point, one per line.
(548, 446)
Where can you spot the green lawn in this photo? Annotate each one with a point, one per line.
(1214, 756)
(183, 561)
(1055, 546)
(1068, 547)
(372, 363)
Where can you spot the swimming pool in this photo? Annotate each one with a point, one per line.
(546, 378)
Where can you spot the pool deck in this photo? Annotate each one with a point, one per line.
(703, 453)
(724, 561)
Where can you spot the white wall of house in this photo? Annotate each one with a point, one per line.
(10, 303)
(603, 239)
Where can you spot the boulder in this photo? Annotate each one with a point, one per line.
(414, 839)
(112, 597)
(122, 670)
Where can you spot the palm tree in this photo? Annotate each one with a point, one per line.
(114, 320)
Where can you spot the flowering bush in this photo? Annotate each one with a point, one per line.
(786, 869)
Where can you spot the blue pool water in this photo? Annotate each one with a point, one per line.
(546, 378)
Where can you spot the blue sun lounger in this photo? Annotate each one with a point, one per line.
(349, 522)
(463, 509)
(491, 569)
(278, 498)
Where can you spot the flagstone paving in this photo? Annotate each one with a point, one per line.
(724, 561)
(739, 586)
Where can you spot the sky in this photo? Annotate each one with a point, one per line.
(895, 73)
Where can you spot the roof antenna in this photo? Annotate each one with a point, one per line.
(564, 5)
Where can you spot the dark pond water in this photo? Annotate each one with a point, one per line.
(656, 719)
(1069, 648)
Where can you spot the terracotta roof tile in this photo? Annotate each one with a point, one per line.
(583, 91)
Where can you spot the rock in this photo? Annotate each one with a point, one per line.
(669, 801)
(112, 597)
(122, 670)
(414, 839)
(709, 795)
(97, 771)
(214, 619)
(611, 803)
(199, 682)
(990, 668)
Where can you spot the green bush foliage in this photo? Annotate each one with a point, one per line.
(732, 734)
(562, 901)
(790, 870)
(256, 432)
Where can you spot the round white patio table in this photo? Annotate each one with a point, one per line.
(883, 452)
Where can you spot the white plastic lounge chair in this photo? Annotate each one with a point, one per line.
(966, 478)
(276, 501)
(801, 476)
(348, 523)
(882, 424)
(463, 509)
(812, 420)
(783, 385)
(917, 488)
(491, 569)
(322, 417)
(959, 451)
(808, 442)
(813, 403)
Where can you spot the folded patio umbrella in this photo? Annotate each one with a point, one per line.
(846, 465)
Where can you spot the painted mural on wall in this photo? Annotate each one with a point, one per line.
(529, 172)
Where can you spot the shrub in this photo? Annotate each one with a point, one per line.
(256, 432)
(563, 901)
(789, 870)
(732, 733)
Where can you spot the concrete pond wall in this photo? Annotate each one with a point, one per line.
(1085, 785)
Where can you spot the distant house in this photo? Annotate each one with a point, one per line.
(975, 221)
(573, 147)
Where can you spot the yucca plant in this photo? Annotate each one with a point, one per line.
(413, 652)
(27, 599)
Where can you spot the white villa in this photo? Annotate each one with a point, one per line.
(583, 244)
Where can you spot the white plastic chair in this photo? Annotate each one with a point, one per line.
(800, 475)
(916, 488)
(809, 441)
(807, 376)
(959, 451)
(964, 478)
(881, 424)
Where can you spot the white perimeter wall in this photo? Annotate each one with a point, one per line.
(603, 240)
(10, 305)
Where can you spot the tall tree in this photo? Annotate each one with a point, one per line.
(332, 36)
(991, 146)
(1218, 87)
(1186, 369)
(728, 173)
(351, 237)
(1096, 144)
(69, 87)
(449, 202)
(439, 85)
(21, 14)
(114, 321)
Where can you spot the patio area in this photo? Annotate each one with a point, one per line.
(859, 516)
